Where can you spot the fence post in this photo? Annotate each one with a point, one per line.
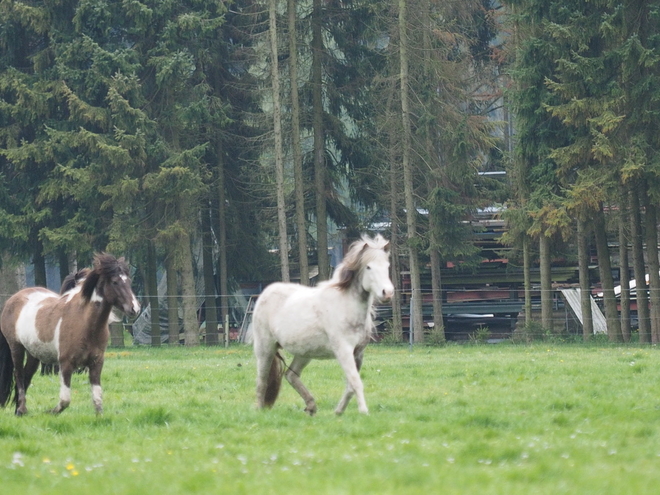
(117, 334)
(227, 330)
(411, 325)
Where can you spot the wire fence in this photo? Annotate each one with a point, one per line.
(480, 315)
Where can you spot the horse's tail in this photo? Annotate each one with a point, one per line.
(6, 372)
(274, 380)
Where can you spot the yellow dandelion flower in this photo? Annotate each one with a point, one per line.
(74, 473)
(70, 467)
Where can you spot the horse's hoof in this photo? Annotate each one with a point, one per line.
(21, 412)
(311, 410)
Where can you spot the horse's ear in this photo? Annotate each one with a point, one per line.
(123, 265)
(68, 283)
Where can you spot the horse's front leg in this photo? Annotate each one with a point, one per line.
(293, 377)
(95, 369)
(349, 364)
(348, 393)
(66, 370)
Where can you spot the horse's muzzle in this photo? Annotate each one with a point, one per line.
(387, 294)
(132, 309)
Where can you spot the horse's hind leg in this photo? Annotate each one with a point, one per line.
(348, 393)
(66, 370)
(18, 356)
(31, 367)
(293, 377)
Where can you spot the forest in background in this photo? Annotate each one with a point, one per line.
(254, 129)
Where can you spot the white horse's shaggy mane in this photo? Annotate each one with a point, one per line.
(360, 254)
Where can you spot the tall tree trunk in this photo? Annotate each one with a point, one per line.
(221, 226)
(210, 310)
(395, 275)
(319, 142)
(152, 291)
(436, 165)
(546, 283)
(585, 283)
(10, 280)
(605, 269)
(436, 282)
(395, 265)
(39, 262)
(416, 318)
(277, 131)
(172, 299)
(624, 268)
(527, 278)
(651, 229)
(299, 179)
(642, 298)
(63, 261)
(188, 293)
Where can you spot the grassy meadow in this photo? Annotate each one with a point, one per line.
(542, 419)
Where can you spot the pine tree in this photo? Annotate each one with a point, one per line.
(535, 212)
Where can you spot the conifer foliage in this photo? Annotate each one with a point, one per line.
(147, 128)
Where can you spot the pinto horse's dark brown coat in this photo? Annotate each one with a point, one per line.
(38, 325)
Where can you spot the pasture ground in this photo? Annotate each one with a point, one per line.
(500, 419)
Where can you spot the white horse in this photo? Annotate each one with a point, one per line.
(333, 319)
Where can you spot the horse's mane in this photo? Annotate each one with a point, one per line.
(73, 279)
(105, 266)
(359, 254)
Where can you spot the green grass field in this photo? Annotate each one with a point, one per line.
(474, 419)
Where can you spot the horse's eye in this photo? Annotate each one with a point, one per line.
(368, 267)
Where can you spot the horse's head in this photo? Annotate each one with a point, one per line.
(368, 261)
(109, 281)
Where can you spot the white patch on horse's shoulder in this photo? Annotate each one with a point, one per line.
(72, 292)
(96, 297)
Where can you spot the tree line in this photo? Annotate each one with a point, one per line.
(237, 132)
(585, 96)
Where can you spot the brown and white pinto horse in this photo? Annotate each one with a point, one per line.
(69, 329)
